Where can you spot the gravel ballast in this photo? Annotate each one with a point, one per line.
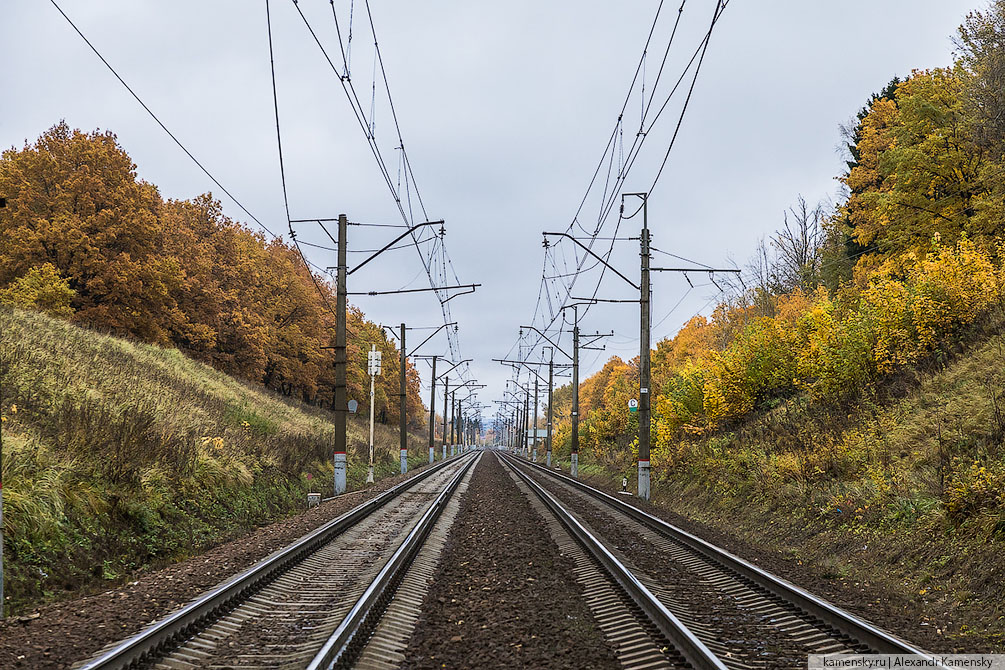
(503, 595)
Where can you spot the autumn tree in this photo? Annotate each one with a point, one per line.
(798, 247)
(919, 168)
(853, 134)
(74, 201)
(980, 51)
(85, 238)
(41, 288)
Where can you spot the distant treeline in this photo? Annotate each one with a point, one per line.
(84, 238)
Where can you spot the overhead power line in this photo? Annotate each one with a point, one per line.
(436, 261)
(282, 168)
(160, 123)
(614, 181)
(310, 266)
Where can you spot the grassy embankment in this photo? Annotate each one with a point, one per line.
(904, 487)
(119, 455)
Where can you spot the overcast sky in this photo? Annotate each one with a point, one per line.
(505, 109)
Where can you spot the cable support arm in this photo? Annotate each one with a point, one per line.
(452, 323)
(605, 263)
(520, 386)
(515, 366)
(708, 270)
(390, 329)
(593, 338)
(471, 286)
(543, 380)
(420, 290)
(595, 300)
(465, 399)
(456, 365)
(564, 352)
(557, 365)
(393, 242)
(351, 223)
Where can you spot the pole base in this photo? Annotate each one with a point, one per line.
(369, 475)
(574, 471)
(404, 461)
(340, 468)
(431, 452)
(644, 492)
(444, 452)
(535, 456)
(547, 459)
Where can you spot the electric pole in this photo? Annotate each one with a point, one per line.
(459, 425)
(432, 412)
(645, 295)
(574, 356)
(373, 367)
(535, 417)
(443, 435)
(575, 391)
(551, 390)
(538, 379)
(403, 412)
(3, 204)
(644, 357)
(341, 408)
(453, 421)
(526, 417)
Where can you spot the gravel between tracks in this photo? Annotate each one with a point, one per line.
(58, 635)
(744, 631)
(503, 596)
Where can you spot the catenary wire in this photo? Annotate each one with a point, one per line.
(161, 123)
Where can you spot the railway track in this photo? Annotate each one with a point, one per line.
(710, 608)
(312, 604)
(350, 593)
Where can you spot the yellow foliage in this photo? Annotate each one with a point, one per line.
(974, 487)
(716, 372)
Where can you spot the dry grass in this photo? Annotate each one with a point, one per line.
(915, 471)
(119, 455)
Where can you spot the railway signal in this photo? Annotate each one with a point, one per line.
(373, 368)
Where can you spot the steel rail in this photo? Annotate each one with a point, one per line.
(684, 641)
(350, 634)
(149, 641)
(835, 617)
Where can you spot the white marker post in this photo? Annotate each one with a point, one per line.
(373, 365)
